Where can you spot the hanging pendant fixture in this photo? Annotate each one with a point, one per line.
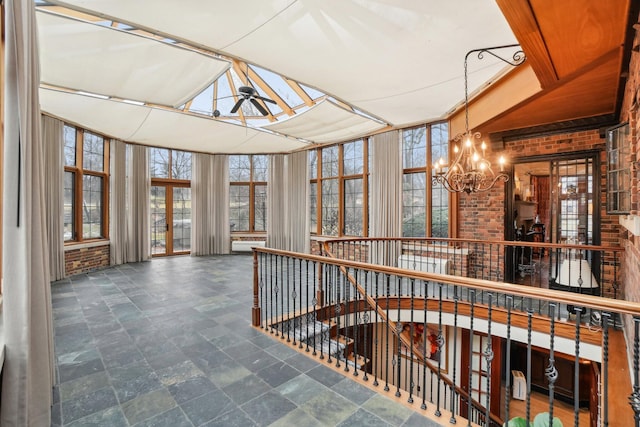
(471, 170)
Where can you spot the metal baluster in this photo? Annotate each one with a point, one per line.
(314, 301)
(289, 295)
(634, 399)
(338, 311)
(551, 372)
(455, 351)
(271, 289)
(376, 339)
(576, 373)
(440, 342)
(327, 279)
(413, 334)
(347, 300)
(488, 355)
(398, 331)
(507, 390)
(528, 404)
(263, 295)
(277, 291)
(606, 318)
(472, 302)
(365, 322)
(386, 355)
(424, 348)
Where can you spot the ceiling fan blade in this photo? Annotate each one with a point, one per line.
(265, 99)
(238, 104)
(259, 107)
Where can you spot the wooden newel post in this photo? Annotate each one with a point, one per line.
(255, 310)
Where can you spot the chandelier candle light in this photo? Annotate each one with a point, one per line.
(471, 171)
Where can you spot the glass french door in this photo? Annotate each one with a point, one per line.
(170, 219)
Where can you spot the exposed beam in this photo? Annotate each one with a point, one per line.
(522, 21)
(301, 92)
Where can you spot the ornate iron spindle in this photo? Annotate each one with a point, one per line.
(326, 307)
(529, 330)
(314, 301)
(366, 327)
(507, 390)
(396, 357)
(424, 348)
(472, 302)
(277, 292)
(376, 340)
(338, 313)
(440, 342)
(413, 334)
(347, 300)
(551, 372)
(263, 295)
(271, 256)
(290, 295)
(386, 354)
(576, 373)
(488, 355)
(455, 351)
(606, 319)
(634, 398)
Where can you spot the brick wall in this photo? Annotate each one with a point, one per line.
(629, 113)
(81, 260)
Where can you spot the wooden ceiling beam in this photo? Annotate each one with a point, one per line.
(522, 21)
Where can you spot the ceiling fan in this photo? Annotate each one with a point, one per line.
(249, 93)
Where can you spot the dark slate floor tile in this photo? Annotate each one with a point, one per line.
(268, 408)
(112, 417)
(207, 407)
(325, 375)
(148, 405)
(353, 391)
(246, 389)
(82, 406)
(72, 371)
(172, 418)
(277, 374)
(417, 420)
(133, 387)
(191, 388)
(364, 418)
(257, 360)
(232, 419)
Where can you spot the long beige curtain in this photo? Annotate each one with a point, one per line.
(298, 201)
(54, 176)
(277, 210)
(386, 195)
(210, 232)
(138, 205)
(27, 375)
(118, 211)
(288, 202)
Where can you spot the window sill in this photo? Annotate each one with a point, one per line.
(72, 246)
(631, 223)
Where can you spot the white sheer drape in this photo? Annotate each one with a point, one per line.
(27, 375)
(210, 232)
(288, 202)
(386, 195)
(138, 205)
(298, 201)
(277, 210)
(118, 210)
(54, 183)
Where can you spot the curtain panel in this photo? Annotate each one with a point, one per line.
(27, 374)
(138, 205)
(210, 233)
(118, 209)
(277, 204)
(297, 196)
(53, 143)
(386, 195)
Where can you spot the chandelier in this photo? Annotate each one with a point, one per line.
(471, 170)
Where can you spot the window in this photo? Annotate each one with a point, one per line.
(339, 177)
(86, 180)
(425, 208)
(618, 170)
(248, 193)
(170, 201)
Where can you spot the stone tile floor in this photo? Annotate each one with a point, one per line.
(169, 343)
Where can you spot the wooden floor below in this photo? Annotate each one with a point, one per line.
(540, 403)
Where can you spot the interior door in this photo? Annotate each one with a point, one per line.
(170, 219)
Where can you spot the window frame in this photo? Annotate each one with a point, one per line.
(78, 191)
(252, 184)
(341, 179)
(617, 186)
(427, 170)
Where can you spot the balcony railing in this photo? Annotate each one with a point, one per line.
(457, 346)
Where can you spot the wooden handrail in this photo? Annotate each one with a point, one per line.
(599, 303)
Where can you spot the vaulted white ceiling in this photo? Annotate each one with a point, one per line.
(386, 63)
